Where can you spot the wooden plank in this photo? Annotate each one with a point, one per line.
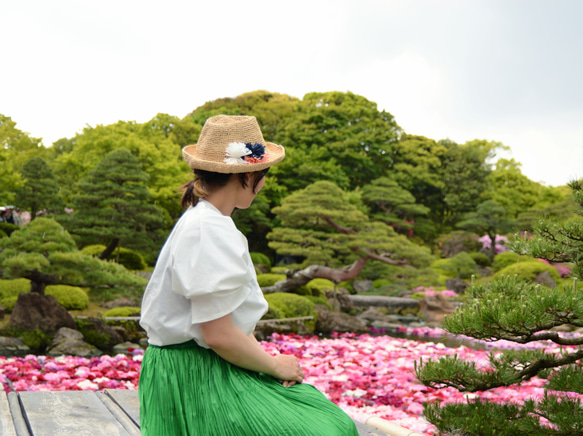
(17, 417)
(128, 400)
(6, 424)
(118, 412)
(74, 413)
(367, 430)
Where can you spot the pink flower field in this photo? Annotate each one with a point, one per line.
(365, 375)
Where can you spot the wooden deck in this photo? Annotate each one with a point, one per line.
(111, 412)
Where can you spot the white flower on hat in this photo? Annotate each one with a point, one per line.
(235, 152)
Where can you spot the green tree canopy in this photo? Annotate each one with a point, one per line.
(510, 309)
(16, 147)
(40, 189)
(392, 204)
(321, 226)
(511, 189)
(46, 254)
(336, 136)
(489, 218)
(113, 206)
(150, 143)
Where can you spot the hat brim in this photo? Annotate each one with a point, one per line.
(274, 154)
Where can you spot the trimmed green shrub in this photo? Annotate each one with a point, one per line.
(70, 297)
(269, 279)
(3, 234)
(292, 305)
(279, 270)
(8, 303)
(508, 258)
(8, 228)
(36, 340)
(481, 259)
(273, 312)
(122, 312)
(529, 270)
(318, 286)
(9, 290)
(131, 259)
(261, 259)
(461, 265)
(93, 250)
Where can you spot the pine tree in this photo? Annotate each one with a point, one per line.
(326, 231)
(40, 190)
(113, 206)
(511, 309)
(489, 218)
(46, 254)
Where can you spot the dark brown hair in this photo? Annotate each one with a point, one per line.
(205, 181)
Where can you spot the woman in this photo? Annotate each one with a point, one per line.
(204, 373)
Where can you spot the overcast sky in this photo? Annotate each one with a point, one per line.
(502, 70)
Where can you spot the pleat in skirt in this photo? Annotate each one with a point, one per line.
(189, 390)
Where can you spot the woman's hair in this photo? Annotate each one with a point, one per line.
(207, 181)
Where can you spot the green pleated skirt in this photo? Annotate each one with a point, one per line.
(189, 390)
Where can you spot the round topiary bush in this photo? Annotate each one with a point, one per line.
(292, 305)
(273, 312)
(481, 259)
(122, 312)
(508, 258)
(318, 286)
(8, 303)
(461, 265)
(261, 259)
(70, 297)
(529, 270)
(9, 290)
(265, 280)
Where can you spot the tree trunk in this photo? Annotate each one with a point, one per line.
(302, 277)
(492, 251)
(109, 249)
(38, 287)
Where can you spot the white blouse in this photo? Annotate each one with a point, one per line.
(204, 272)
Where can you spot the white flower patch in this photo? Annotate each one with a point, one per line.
(235, 152)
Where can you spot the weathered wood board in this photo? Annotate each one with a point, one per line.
(6, 423)
(113, 412)
(75, 413)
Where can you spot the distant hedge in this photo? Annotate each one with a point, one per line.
(70, 297)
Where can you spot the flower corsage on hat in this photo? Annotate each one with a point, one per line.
(232, 144)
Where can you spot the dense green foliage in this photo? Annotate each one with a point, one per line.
(70, 297)
(131, 259)
(46, 254)
(113, 208)
(122, 312)
(291, 305)
(269, 279)
(40, 189)
(512, 308)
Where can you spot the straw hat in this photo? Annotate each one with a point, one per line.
(232, 144)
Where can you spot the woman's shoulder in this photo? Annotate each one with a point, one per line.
(205, 218)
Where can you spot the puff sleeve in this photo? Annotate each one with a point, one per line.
(210, 267)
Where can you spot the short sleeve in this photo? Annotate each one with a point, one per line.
(210, 268)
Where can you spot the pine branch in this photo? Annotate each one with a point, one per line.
(338, 227)
(302, 277)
